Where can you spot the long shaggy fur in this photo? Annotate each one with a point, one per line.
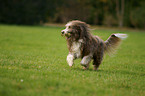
(82, 44)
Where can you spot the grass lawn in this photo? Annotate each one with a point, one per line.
(33, 63)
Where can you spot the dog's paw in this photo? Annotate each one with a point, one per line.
(70, 66)
(95, 69)
(85, 68)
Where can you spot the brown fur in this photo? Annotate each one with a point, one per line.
(91, 44)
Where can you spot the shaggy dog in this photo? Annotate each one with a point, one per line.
(82, 44)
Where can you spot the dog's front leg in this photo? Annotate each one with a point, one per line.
(70, 59)
(85, 61)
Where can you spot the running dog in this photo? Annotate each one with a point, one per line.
(82, 44)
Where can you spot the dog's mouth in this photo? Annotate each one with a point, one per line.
(68, 35)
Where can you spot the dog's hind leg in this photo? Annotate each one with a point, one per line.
(85, 61)
(98, 57)
(96, 64)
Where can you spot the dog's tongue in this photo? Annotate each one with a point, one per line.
(67, 37)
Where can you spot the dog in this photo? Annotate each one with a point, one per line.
(82, 44)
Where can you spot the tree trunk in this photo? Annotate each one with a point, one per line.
(120, 12)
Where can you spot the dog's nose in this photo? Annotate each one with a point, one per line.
(62, 32)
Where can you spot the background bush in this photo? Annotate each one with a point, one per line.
(128, 13)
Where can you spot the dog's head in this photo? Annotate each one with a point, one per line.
(75, 30)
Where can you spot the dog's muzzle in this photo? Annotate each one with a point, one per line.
(65, 33)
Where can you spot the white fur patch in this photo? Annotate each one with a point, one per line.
(65, 31)
(75, 52)
(121, 36)
(86, 60)
(68, 24)
(76, 49)
(70, 59)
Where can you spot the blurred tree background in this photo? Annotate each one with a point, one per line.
(122, 13)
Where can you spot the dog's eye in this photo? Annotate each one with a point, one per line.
(69, 26)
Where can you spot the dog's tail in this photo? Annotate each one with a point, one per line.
(112, 43)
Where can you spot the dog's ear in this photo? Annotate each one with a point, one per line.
(83, 31)
(77, 32)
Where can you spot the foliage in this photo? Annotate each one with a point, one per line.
(137, 15)
(33, 63)
(26, 11)
(97, 12)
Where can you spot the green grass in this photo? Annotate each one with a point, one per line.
(33, 63)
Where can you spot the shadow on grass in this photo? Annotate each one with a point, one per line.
(80, 69)
(105, 71)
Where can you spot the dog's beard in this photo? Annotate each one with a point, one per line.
(69, 36)
(72, 35)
